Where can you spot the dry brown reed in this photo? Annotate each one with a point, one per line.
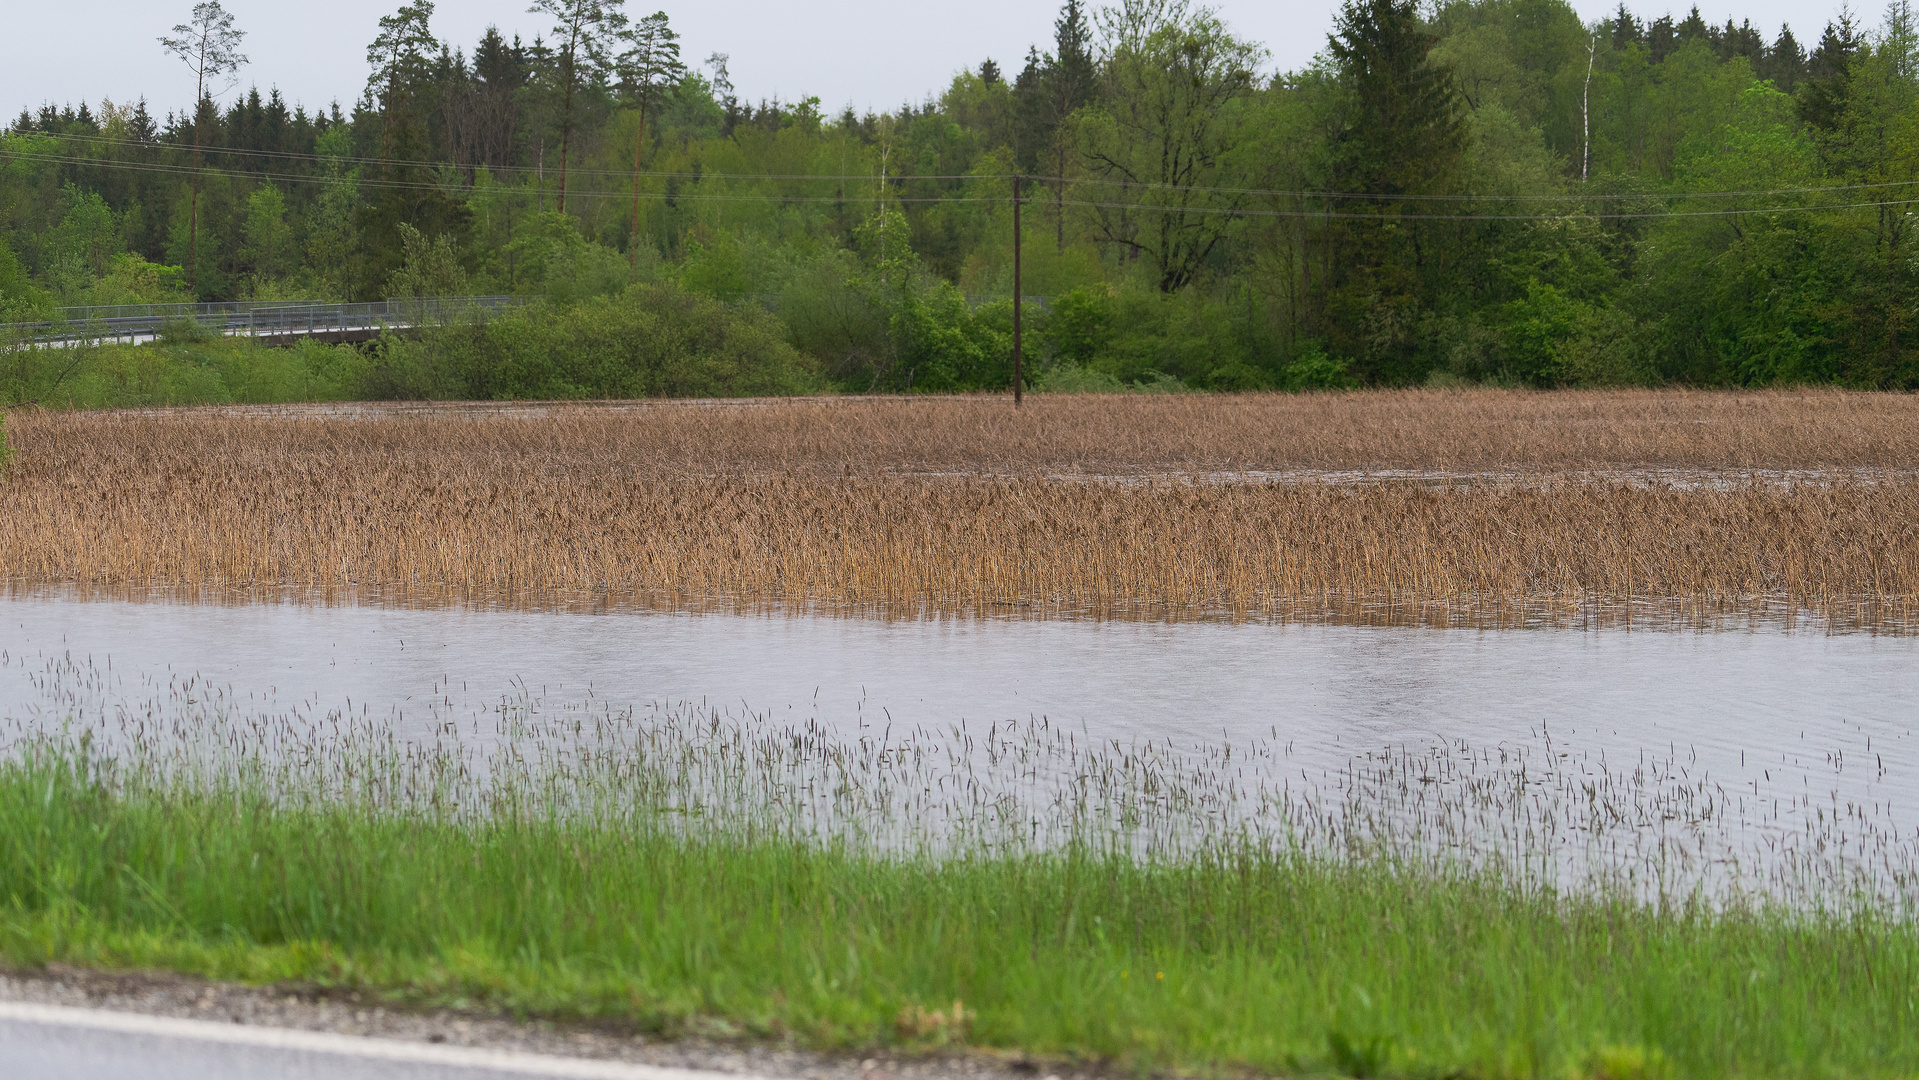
(1421, 430)
(958, 505)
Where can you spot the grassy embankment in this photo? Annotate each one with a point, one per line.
(1113, 505)
(1237, 955)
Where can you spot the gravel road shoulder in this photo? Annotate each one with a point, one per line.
(312, 1009)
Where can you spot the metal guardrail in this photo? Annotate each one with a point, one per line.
(132, 322)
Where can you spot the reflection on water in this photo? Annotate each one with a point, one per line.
(1751, 755)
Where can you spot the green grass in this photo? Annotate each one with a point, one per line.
(1235, 955)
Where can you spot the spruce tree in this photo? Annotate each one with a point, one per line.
(1662, 37)
(1822, 94)
(1051, 88)
(1406, 136)
(1409, 133)
(1625, 29)
(1785, 62)
(583, 33)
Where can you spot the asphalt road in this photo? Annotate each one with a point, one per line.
(50, 1042)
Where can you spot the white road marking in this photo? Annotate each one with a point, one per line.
(358, 1046)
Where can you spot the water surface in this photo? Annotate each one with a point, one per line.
(1771, 729)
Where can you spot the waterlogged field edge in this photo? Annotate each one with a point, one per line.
(1012, 889)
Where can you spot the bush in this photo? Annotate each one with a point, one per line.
(185, 330)
(942, 344)
(894, 326)
(1314, 370)
(220, 371)
(832, 316)
(1075, 379)
(652, 340)
(1146, 338)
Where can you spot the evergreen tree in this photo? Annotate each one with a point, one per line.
(1662, 37)
(210, 47)
(1408, 133)
(1692, 28)
(649, 66)
(1052, 87)
(1741, 40)
(1785, 62)
(399, 57)
(492, 107)
(1406, 136)
(584, 32)
(1624, 29)
(1822, 93)
(140, 126)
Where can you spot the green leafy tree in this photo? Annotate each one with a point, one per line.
(1164, 134)
(267, 239)
(431, 268)
(332, 241)
(20, 299)
(79, 249)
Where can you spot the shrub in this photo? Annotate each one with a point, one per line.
(185, 330)
(1146, 338)
(1076, 379)
(1314, 370)
(220, 371)
(832, 316)
(652, 340)
(944, 345)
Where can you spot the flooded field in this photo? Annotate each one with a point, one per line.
(1668, 761)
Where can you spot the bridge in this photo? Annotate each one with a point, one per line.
(268, 322)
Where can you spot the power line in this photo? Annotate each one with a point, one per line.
(1140, 185)
(1609, 216)
(698, 196)
(408, 185)
(1561, 197)
(525, 170)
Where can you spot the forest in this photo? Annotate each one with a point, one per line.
(1471, 192)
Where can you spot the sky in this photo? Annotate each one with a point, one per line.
(864, 53)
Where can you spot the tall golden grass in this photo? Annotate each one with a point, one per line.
(961, 505)
(1444, 431)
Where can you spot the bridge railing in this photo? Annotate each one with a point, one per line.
(112, 322)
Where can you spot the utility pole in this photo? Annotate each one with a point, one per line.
(1018, 302)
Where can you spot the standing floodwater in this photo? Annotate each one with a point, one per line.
(1754, 737)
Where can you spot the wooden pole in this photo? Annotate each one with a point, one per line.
(1018, 301)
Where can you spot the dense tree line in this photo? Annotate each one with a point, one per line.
(1488, 190)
